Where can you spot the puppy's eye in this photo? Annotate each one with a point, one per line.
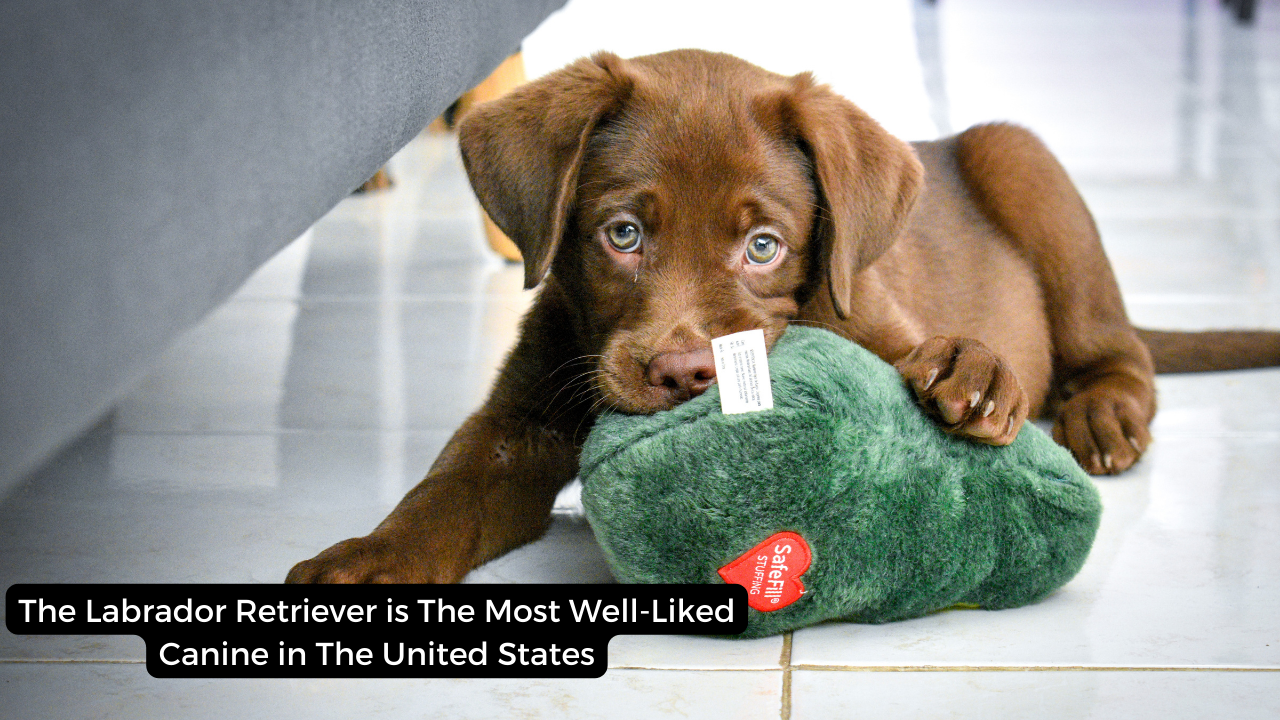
(624, 237)
(763, 249)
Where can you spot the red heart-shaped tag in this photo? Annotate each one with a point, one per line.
(771, 571)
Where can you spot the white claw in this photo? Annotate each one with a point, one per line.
(928, 381)
(974, 398)
(990, 408)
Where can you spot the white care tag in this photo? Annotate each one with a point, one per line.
(742, 371)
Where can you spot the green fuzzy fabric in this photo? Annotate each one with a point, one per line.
(901, 518)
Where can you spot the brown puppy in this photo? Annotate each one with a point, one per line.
(670, 199)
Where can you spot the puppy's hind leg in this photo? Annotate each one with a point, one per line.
(1102, 369)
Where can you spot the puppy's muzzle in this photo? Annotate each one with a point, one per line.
(683, 375)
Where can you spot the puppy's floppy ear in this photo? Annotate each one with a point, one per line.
(523, 151)
(868, 180)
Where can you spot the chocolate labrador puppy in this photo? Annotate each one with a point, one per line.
(666, 200)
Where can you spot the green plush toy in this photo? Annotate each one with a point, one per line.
(843, 501)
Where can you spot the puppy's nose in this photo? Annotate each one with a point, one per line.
(685, 374)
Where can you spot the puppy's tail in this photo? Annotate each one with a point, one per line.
(1184, 352)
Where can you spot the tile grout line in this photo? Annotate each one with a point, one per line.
(785, 661)
(1033, 668)
(691, 668)
(787, 668)
(69, 661)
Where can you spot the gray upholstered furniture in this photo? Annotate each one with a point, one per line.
(154, 153)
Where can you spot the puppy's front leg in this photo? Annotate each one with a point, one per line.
(491, 490)
(968, 388)
(494, 483)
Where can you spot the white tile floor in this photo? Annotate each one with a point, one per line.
(299, 412)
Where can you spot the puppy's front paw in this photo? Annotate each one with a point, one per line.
(1106, 430)
(360, 560)
(967, 388)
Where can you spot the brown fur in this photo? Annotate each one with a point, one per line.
(381, 180)
(970, 262)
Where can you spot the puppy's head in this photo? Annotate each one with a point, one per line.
(678, 197)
